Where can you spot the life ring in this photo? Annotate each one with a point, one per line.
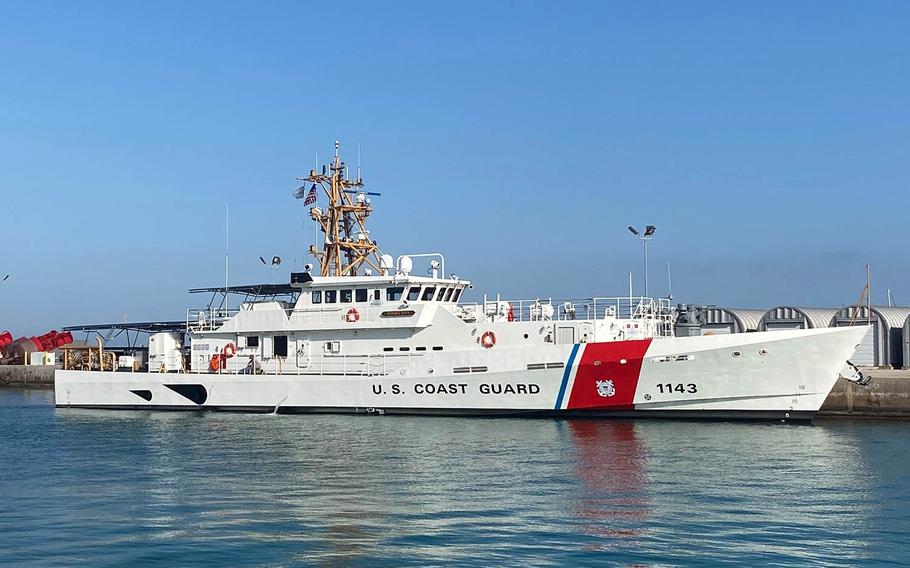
(215, 363)
(229, 351)
(352, 316)
(488, 340)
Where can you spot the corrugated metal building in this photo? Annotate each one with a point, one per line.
(907, 343)
(730, 320)
(792, 317)
(884, 345)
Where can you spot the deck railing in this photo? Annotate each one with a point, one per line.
(623, 307)
(374, 365)
(659, 310)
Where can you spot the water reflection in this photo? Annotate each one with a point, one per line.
(611, 467)
(230, 489)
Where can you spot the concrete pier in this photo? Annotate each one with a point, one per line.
(27, 376)
(888, 395)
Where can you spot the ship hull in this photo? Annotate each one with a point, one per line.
(781, 375)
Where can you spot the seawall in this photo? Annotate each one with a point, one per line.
(27, 376)
(887, 395)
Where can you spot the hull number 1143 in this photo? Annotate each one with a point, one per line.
(668, 388)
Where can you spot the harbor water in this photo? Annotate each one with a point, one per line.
(210, 489)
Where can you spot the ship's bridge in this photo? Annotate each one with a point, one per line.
(329, 290)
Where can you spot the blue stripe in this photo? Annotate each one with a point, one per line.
(565, 377)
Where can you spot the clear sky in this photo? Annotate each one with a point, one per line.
(767, 141)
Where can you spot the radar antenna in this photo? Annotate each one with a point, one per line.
(346, 243)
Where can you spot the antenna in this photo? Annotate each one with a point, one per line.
(227, 242)
(890, 299)
(669, 283)
(630, 290)
(358, 160)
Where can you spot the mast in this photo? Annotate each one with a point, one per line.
(346, 243)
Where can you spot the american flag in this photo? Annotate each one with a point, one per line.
(310, 196)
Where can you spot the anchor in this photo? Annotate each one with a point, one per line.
(851, 373)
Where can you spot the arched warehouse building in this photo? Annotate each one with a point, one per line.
(730, 320)
(885, 345)
(907, 343)
(792, 317)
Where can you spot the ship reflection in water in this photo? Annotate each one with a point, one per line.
(612, 473)
(233, 489)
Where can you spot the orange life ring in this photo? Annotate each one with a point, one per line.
(488, 340)
(229, 351)
(215, 363)
(352, 316)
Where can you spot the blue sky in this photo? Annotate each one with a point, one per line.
(767, 141)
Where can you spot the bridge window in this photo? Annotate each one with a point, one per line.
(442, 292)
(394, 294)
(449, 294)
(457, 294)
(317, 297)
(428, 293)
(347, 296)
(252, 341)
(377, 295)
(331, 296)
(280, 346)
(360, 294)
(413, 293)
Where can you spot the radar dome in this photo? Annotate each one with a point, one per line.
(405, 265)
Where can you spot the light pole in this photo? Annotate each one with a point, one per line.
(644, 238)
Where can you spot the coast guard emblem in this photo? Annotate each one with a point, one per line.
(605, 388)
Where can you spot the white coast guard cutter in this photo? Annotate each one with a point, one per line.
(365, 335)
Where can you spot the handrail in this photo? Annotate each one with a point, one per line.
(365, 365)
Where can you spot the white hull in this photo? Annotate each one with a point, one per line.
(774, 375)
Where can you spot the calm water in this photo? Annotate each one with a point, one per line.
(117, 488)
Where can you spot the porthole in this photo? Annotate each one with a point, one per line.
(762, 352)
(736, 353)
(526, 336)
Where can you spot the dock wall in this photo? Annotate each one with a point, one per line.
(27, 376)
(887, 395)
